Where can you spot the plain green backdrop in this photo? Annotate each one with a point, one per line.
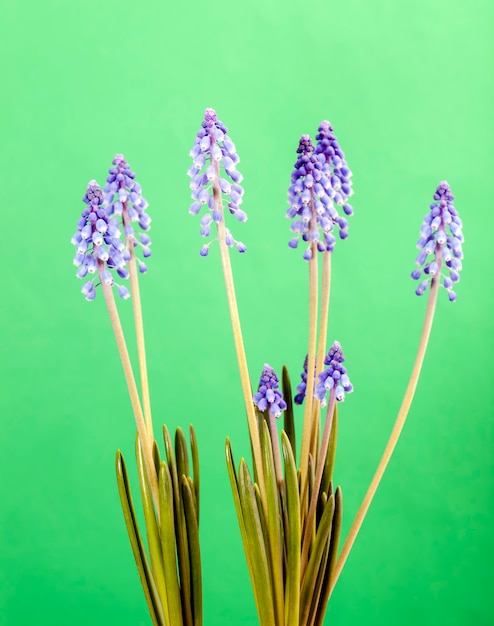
(408, 88)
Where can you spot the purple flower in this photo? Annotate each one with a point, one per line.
(440, 244)
(268, 398)
(302, 386)
(320, 183)
(334, 376)
(98, 244)
(215, 181)
(336, 167)
(123, 200)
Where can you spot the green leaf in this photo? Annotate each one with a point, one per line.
(288, 416)
(274, 524)
(156, 458)
(145, 575)
(180, 531)
(238, 508)
(195, 467)
(333, 551)
(188, 497)
(314, 601)
(292, 535)
(327, 476)
(154, 542)
(257, 548)
(181, 453)
(309, 582)
(167, 534)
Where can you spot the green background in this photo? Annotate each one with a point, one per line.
(408, 88)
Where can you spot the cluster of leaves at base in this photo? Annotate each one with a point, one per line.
(170, 569)
(272, 538)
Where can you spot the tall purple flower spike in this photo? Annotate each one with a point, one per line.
(98, 245)
(214, 178)
(440, 243)
(269, 398)
(124, 200)
(320, 183)
(334, 376)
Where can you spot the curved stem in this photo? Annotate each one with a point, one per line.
(395, 433)
(131, 385)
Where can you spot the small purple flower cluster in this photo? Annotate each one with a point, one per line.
(440, 242)
(302, 386)
(320, 182)
(268, 398)
(123, 198)
(98, 243)
(98, 237)
(212, 150)
(334, 376)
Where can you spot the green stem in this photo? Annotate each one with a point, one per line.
(395, 433)
(321, 345)
(131, 384)
(237, 336)
(139, 326)
(311, 358)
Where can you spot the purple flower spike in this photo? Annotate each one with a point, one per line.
(336, 167)
(214, 177)
(268, 398)
(320, 183)
(302, 386)
(440, 244)
(124, 200)
(334, 376)
(98, 243)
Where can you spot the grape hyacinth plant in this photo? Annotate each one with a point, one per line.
(288, 507)
(170, 567)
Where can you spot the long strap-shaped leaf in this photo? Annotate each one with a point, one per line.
(323, 536)
(292, 535)
(327, 476)
(136, 542)
(154, 542)
(335, 539)
(288, 417)
(318, 587)
(195, 467)
(232, 473)
(167, 534)
(194, 551)
(274, 525)
(256, 547)
(180, 530)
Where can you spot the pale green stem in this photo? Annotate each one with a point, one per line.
(237, 337)
(309, 396)
(141, 347)
(131, 384)
(139, 327)
(276, 448)
(321, 345)
(317, 482)
(395, 433)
